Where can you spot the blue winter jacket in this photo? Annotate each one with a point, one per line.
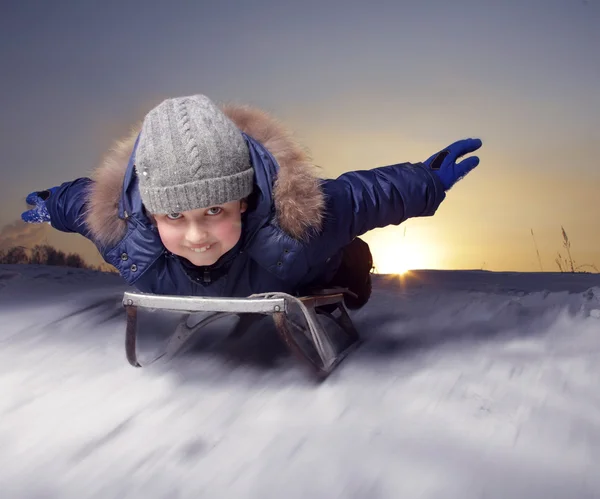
(292, 232)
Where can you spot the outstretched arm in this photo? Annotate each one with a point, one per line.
(359, 201)
(62, 206)
(65, 207)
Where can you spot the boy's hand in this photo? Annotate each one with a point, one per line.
(38, 214)
(444, 165)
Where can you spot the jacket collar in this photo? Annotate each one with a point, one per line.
(130, 201)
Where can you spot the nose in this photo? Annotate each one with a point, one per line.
(195, 234)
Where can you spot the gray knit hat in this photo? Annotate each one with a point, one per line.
(190, 155)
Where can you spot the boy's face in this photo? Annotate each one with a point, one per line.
(202, 236)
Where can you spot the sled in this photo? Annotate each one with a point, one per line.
(317, 328)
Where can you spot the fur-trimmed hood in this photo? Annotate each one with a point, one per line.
(299, 201)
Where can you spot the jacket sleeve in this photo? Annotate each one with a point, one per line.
(67, 206)
(359, 201)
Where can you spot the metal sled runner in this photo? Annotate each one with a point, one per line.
(317, 328)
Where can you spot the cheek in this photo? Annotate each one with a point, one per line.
(169, 235)
(228, 231)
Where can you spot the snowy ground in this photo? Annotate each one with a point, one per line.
(469, 385)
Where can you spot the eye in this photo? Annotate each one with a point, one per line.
(215, 210)
(174, 216)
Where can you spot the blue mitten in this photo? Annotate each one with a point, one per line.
(39, 213)
(444, 164)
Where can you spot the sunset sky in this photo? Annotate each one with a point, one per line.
(363, 84)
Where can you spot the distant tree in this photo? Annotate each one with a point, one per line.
(74, 260)
(38, 255)
(44, 254)
(56, 257)
(15, 256)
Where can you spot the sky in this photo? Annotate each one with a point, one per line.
(362, 84)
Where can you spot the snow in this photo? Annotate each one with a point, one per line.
(470, 384)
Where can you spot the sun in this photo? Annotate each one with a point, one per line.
(394, 253)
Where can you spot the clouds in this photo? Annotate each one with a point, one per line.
(20, 233)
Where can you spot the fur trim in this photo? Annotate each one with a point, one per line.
(102, 213)
(299, 201)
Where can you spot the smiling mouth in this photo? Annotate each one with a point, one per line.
(201, 249)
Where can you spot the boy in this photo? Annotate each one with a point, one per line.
(216, 201)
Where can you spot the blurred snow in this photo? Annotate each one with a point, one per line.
(469, 385)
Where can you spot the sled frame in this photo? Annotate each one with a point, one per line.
(322, 304)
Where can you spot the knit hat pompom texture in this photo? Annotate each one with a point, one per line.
(189, 156)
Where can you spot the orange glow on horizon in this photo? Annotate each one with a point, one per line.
(396, 253)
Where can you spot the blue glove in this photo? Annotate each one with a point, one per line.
(444, 165)
(39, 214)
